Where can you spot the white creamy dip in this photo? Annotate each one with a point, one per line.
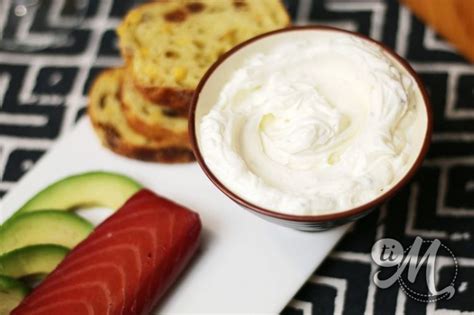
(314, 126)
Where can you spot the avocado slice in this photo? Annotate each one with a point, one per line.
(91, 189)
(43, 227)
(32, 260)
(12, 293)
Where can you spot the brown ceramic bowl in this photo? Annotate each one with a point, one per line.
(211, 84)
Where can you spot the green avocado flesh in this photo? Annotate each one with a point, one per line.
(92, 189)
(32, 260)
(43, 227)
(12, 293)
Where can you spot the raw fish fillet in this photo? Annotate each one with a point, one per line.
(125, 266)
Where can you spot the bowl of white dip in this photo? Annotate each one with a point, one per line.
(310, 127)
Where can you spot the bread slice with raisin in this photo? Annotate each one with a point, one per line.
(169, 45)
(151, 119)
(109, 122)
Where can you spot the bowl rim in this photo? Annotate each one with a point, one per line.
(327, 217)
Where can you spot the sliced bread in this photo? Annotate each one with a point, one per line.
(111, 126)
(150, 119)
(170, 44)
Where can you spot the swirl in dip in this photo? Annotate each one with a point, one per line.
(313, 126)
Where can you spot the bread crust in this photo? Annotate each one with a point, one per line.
(153, 130)
(113, 138)
(177, 99)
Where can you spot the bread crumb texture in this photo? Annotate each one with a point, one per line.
(114, 132)
(173, 43)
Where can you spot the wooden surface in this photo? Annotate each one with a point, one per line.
(454, 19)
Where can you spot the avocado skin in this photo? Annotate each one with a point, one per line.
(43, 227)
(12, 293)
(91, 189)
(32, 260)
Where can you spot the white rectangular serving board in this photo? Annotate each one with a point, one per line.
(245, 264)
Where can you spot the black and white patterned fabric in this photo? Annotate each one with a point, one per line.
(42, 94)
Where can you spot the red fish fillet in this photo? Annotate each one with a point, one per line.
(125, 266)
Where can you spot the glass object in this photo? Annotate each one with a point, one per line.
(30, 25)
